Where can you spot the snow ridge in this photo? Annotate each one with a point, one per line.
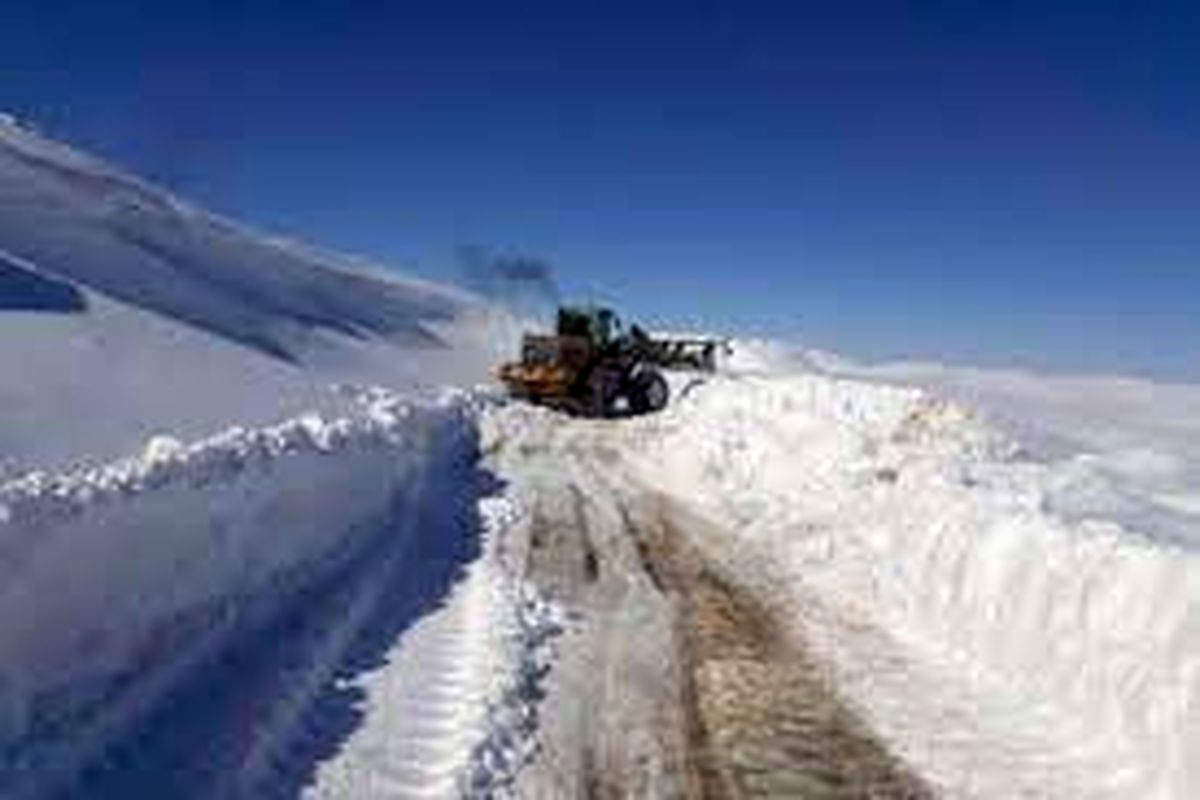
(42, 497)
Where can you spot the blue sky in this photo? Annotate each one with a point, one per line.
(999, 183)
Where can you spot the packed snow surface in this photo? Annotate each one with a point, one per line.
(450, 706)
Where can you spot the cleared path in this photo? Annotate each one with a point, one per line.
(676, 681)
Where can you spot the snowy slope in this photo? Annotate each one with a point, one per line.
(125, 311)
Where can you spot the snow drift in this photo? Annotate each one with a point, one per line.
(118, 580)
(1044, 654)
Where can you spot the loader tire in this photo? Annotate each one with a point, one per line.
(604, 387)
(649, 392)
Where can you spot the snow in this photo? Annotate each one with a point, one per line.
(1132, 446)
(150, 351)
(1036, 651)
(1000, 569)
(170, 555)
(190, 323)
(1129, 447)
(450, 708)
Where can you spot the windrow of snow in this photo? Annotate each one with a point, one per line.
(117, 581)
(1032, 654)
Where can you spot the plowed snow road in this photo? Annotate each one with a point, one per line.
(675, 681)
(433, 666)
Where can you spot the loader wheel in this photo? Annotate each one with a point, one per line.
(604, 387)
(648, 393)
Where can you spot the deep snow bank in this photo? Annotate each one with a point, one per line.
(1073, 647)
(117, 580)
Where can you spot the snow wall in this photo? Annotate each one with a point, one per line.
(118, 580)
(1078, 640)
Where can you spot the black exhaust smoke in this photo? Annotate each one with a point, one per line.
(524, 284)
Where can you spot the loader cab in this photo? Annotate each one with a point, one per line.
(600, 326)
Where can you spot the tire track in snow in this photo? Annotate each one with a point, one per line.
(682, 682)
(453, 708)
(429, 702)
(763, 718)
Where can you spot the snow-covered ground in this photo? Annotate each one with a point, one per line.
(1129, 447)
(1035, 651)
(126, 312)
(120, 579)
(229, 570)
